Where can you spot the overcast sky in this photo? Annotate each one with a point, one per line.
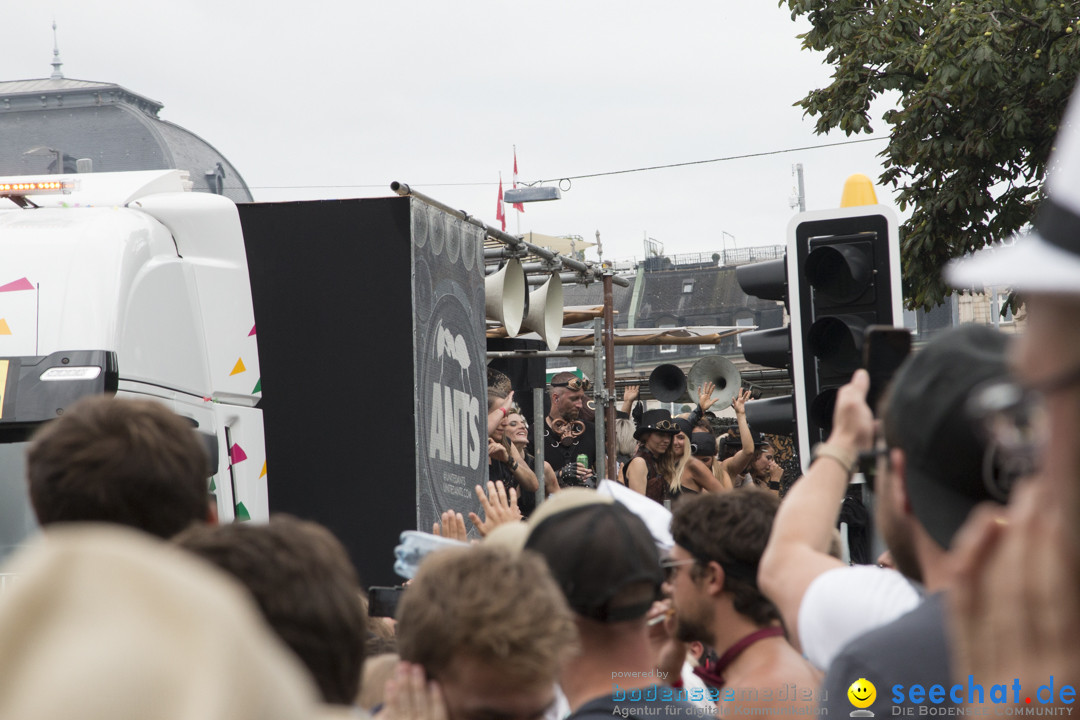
(331, 99)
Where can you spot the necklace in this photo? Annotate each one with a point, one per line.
(714, 675)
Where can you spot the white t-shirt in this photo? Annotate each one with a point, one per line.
(845, 602)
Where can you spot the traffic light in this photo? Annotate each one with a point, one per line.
(846, 277)
(772, 347)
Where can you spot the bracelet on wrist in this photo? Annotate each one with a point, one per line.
(837, 455)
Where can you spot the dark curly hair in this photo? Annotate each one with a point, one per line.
(730, 529)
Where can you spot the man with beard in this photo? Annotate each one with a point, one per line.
(930, 475)
(712, 582)
(566, 435)
(932, 468)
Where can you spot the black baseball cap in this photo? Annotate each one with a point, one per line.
(602, 556)
(925, 417)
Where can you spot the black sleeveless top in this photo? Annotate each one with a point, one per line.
(655, 486)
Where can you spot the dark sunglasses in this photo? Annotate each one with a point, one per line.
(669, 566)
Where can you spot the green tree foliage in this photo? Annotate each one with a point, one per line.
(979, 89)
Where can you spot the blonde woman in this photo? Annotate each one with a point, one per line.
(692, 474)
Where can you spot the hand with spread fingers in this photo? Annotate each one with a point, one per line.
(738, 403)
(498, 507)
(409, 696)
(452, 527)
(705, 400)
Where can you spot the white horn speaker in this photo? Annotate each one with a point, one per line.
(721, 372)
(504, 296)
(545, 315)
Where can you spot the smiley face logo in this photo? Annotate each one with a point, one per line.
(862, 693)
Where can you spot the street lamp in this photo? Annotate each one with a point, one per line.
(531, 194)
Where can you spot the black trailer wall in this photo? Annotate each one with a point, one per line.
(369, 317)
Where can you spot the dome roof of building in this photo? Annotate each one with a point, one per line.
(54, 118)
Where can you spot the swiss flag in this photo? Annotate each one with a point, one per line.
(517, 206)
(500, 214)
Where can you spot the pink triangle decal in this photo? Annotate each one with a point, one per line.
(20, 284)
(237, 454)
(252, 331)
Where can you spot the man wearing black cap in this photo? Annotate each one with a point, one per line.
(606, 562)
(930, 475)
(931, 470)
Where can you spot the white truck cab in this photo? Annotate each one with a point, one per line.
(128, 283)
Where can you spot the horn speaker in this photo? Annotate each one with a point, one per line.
(505, 296)
(545, 315)
(667, 383)
(721, 372)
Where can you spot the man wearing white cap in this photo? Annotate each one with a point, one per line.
(1017, 606)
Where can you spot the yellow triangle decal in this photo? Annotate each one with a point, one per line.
(4, 329)
(239, 367)
(263, 473)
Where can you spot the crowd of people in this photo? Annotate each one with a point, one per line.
(687, 588)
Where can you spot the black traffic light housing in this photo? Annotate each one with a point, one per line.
(846, 277)
(772, 347)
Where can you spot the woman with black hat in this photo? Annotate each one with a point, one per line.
(653, 468)
(692, 449)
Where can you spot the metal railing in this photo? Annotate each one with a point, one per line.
(732, 257)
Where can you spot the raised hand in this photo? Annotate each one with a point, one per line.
(704, 396)
(738, 403)
(497, 451)
(498, 507)
(452, 527)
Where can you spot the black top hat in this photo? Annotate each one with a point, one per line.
(702, 444)
(684, 426)
(656, 421)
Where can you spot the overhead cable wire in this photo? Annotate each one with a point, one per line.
(582, 177)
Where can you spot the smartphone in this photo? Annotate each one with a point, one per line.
(383, 601)
(884, 349)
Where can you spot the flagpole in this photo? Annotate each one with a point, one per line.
(518, 218)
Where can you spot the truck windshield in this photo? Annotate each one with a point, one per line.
(17, 522)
